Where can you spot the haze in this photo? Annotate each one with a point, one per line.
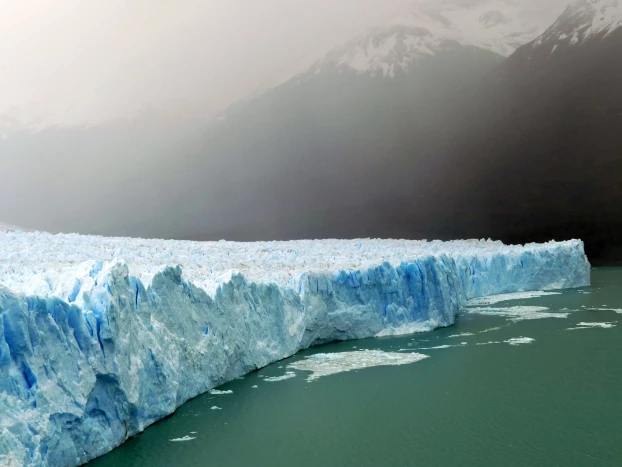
(84, 62)
(106, 107)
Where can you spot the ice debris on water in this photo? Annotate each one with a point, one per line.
(288, 375)
(325, 364)
(463, 334)
(617, 310)
(216, 392)
(445, 346)
(185, 438)
(592, 326)
(507, 297)
(519, 313)
(520, 340)
(512, 341)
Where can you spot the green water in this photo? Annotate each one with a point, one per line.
(554, 402)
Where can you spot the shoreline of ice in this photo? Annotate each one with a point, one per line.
(101, 337)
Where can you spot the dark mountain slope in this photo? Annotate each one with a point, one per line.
(540, 153)
(297, 161)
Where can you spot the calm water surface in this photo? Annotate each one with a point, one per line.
(554, 402)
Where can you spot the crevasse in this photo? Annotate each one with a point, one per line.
(99, 337)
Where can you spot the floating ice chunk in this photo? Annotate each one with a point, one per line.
(325, 364)
(408, 328)
(496, 328)
(185, 438)
(254, 386)
(592, 326)
(463, 334)
(597, 325)
(617, 310)
(507, 297)
(215, 407)
(520, 340)
(445, 346)
(216, 392)
(512, 341)
(518, 313)
(288, 375)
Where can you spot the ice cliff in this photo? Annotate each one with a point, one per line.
(101, 337)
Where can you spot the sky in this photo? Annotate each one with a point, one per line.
(86, 62)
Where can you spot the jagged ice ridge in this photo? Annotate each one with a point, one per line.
(101, 337)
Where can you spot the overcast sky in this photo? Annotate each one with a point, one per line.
(87, 61)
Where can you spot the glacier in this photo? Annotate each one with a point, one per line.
(101, 337)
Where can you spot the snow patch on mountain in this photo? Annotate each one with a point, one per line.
(583, 20)
(430, 28)
(387, 51)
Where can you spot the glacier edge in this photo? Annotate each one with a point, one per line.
(81, 374)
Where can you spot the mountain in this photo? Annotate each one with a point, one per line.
(285, 164)
(540, 153)
(407, 40)
(333, 150)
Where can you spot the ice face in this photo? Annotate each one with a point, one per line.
(101, 337)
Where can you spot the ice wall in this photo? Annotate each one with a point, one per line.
(99, 338)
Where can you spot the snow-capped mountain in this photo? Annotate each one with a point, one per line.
(430, 28)
(583, 20)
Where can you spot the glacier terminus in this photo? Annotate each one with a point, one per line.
(101, 337)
